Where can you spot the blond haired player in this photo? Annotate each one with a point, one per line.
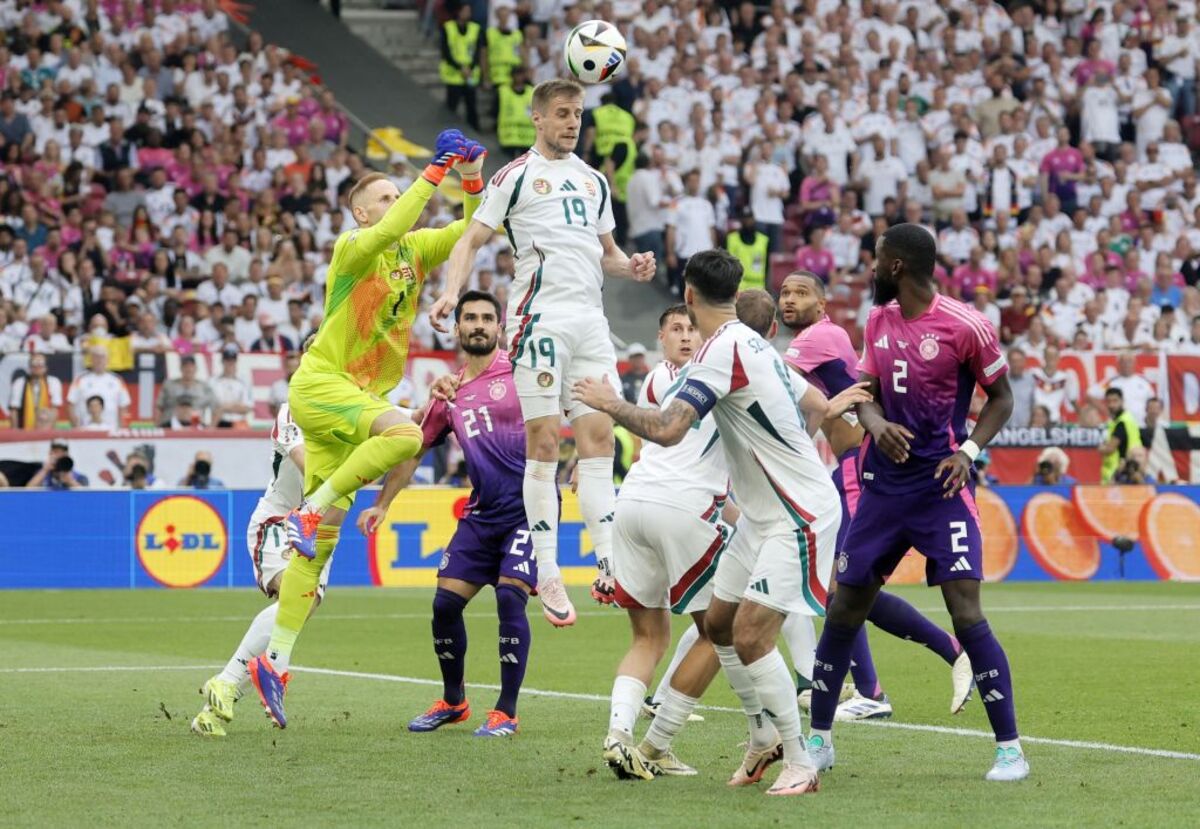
(557, 213)
(353, 434)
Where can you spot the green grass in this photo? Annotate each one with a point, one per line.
(113, 748)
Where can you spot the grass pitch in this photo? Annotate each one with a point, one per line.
(98, 689)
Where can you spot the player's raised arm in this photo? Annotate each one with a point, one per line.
(434, 244)
(663, 426)
(458, 270)
(614, 262)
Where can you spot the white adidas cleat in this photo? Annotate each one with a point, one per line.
(804, 698)
(668, 764)
(556, 605)
(1010, 766)
(796, 779)
(859, 707)
(821, 753)
(961, 676)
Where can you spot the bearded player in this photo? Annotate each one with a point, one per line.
(491, 544)
(924, 353)
(337, 396)
(821, 353)
(557, 214)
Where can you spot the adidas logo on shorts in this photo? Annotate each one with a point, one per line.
(760, 586)
(961, 566)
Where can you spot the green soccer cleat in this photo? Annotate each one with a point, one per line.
(207, 724)
(220, 697)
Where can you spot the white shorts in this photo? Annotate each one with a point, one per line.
(270, 552)
(781, 567)
(665, 557)
(550, 355)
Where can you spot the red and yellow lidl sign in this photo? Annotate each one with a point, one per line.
(181, 541)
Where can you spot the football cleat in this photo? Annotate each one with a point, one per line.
(498, 724)
(1010, 765)
(443, 713)
(859, 707)
(207, 724)
(271, 687)
(961, 676)
(604, 589)
(755, 764)
(612, 745)
(629, 762)
(220, 696)
(302, 530)
(796, 779)
(650, 708)
(821, 753)
(669, 765)
(804, 697)
(556, 605)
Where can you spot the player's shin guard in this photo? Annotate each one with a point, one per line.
(253, 644)
(992, 677)
(686, 641)
(297, 593)
(669, 719)
(597, 502)
(540, 491)
(514, 644)
(627, 694)
(450, 642)
(893, 615)
(829, 672)
(370, 459)
(762, 732)
(773, 682)
(801, 638)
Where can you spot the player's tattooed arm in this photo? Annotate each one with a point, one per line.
(955, 471)
(892, 438)
(663, 426)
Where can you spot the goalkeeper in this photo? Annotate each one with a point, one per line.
(352, 434)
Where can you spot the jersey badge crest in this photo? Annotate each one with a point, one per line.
(541, 186)
(589, 188)
(842, 563)
(929, 347)
(497, 390)
(545, 379)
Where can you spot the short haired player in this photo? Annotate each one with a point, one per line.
(924, 353)
(491, 544)
(557, 214)
(822, 353)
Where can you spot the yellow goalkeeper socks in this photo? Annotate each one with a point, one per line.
(373, 457)
(297, 594)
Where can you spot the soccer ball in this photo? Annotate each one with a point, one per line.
(595, 52)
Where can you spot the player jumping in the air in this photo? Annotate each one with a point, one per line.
(923, 355)
(267, 541)
(353, 435)
(821, 352)
(782, 554)
(673, 522)
(557, 213)
(491, 544)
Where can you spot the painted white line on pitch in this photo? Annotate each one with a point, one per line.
(536, 692)
(591, 614)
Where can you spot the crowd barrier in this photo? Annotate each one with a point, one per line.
(134, 539)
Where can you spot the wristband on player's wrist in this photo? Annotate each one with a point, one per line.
(434, 174)
(971, 449)
(473, 185)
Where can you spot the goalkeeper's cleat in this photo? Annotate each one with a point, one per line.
(668, 764)
(220, 696)
(441, 713)
(821, 753)
(630, 763)
(795, 779)
(556, 605)
(207, 724)
(961, 676)
(755, 764)
(1010, 766)
(302, 530)
(650, 708)
(498, 724)
(271, 686)
(859, 707)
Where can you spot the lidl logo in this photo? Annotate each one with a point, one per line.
(181, 541)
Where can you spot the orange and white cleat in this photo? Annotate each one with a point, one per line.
(796, 779)
(755, 764)
(556, 605)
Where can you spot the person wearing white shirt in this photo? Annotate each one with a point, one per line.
(47, 339)
(218, 288)
(39, 387)
(1177, 50)
(844, 244)
(235, 402)
(1101, 122)
(99, 381)
(880, 176)
(1054, 388)
(1151, 110)
(39, 293)
(956, 241)
(1135, 388)
(245, 322)
(769, 186)
(691, 228)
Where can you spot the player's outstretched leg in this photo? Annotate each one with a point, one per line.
(893, 615)
(652, 703)
(992, 676)
(651, 629)
(450, 647)
(223, 690)
(514, 636)
(540, 492)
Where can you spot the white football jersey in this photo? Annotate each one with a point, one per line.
(691, 475)
(286, 489)
(553, 213)
(778, 477)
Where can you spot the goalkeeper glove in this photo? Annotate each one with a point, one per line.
(470, 168)
(446, 153)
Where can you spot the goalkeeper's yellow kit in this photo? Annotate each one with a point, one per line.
(372, 295)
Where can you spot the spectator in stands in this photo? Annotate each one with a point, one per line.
(95, 421)
(752, 248)
(816, 258)
(460, 67)
(148, 339)
(233, 256)
(199, 396)
(99, 381)
(769, 186)
(1135, 389)
(279, 389)
(635, 373)
(47, 339)
(271, 341)
(1022, 387)
(36, 398)
(199, 474)
(691, 228)
(234, 400)
(1051, 470)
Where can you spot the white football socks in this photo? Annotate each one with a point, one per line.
(686, 641)
(253, 644)
(597, 502)
(669, 720)
(762, 731)
(627, 696)
(540, 491)
(773, 682)
(801, 638)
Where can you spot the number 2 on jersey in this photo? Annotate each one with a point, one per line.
(900, 376)
(577, 207)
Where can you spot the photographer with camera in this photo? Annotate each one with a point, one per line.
(200, 474)
(58, 473)
(1133, 470)
(1052, 465)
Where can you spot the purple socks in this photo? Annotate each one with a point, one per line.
(992, 678)
(514, 644)
(829, 671)
(893, 615)
(450, 642)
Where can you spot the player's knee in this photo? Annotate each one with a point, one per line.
(748, 643)
(541, 442)
(511, 598)
(719, 629)
(965, 617)
(447, 604)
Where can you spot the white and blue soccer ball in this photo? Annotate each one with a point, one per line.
(595, 52)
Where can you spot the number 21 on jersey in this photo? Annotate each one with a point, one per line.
(476, 421)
